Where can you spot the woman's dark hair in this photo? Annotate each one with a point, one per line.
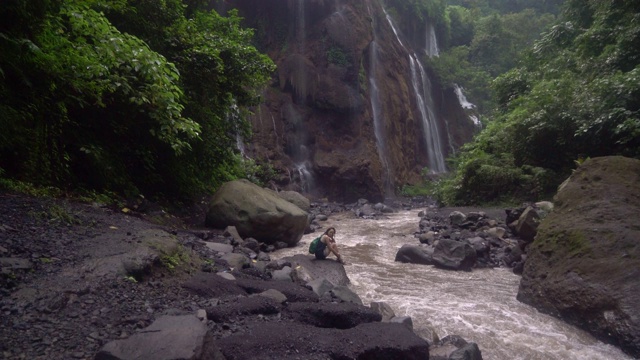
(327, 231)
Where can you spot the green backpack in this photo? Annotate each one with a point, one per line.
(314, 245)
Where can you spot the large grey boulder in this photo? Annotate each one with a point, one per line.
(168, 338)
(415, 254)
(584, 264)
(296, 199)
(344, 315)
(454, 255)
(328, 269)
(257, 213)
(371, 340)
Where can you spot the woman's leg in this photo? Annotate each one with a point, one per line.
(334, 249)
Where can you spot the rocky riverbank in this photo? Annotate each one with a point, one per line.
(85, 281)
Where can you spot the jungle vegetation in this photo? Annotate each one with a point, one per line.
(125, 96)
(149, 97)
(548, 101)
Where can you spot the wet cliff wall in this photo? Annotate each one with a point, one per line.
(341, 118)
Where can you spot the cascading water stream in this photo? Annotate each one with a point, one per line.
(466, 104)
(422, 91)
(431, 46)
(430, 127)
(300, 152)
(376, 109)
(480, 305)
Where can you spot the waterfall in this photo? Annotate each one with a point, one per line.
(299, 151)
(376, 109)
(422, 89)
(466, 104)
(424, 99)
(378, 121)
(305, 176)
(275, 129)
(431, 46)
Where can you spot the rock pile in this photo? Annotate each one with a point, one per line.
(457, 239)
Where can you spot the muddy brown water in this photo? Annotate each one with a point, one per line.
(480, 306)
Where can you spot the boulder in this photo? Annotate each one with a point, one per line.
(235, 260)
(294, 292)
(457, 218)
(344, 315)
(415, 254)
(383, 309)
(372, 340)
(527, 224)
(256, 213)
(320, 286)
(344, 294)
(405, 320)
(328, 269)
(296, 199)
(454, 255)
(168, 338)
(470, 351)
(253, 305)
(584, 264)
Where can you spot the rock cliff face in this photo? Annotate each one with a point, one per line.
(342, 117)
(584, 264)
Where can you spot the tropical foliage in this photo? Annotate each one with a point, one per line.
(480, 43)
(132, 96)
(576, 94)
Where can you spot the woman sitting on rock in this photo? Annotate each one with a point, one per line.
(327, 245)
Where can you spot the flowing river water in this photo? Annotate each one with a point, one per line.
(480, 306)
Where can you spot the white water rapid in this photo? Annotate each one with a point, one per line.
(480, 306)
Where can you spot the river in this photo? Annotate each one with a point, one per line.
(480, 306)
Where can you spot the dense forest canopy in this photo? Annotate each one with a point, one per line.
(574, 94)
(125, 96)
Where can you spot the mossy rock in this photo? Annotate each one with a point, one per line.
(584, 264)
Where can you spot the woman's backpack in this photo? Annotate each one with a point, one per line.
(314, 245)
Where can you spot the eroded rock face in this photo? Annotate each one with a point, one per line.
(584, 264)
(316, 126)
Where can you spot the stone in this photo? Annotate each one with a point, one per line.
(454, 255)
(274, 294)
(415, 254)
(297, 199)
(226, 275)
(343, 293)
(320, 286)
(256, 213)
(15, 263)
(283, 274)
(167, 338)
(457, 218)
(236, 261)
(219, 248)
(427, 238)
(328, 269)
(584, 264)
(404, 320)
(496, 232)
(527, 225)
(232, 231)
(383, 309)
